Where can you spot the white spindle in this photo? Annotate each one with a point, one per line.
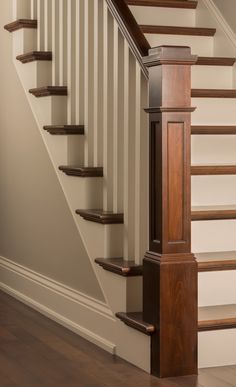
(41, 24)
(47, 25)
(71, 57)
(108, 90)
(79, 49)
(62, 42)
(33, 9)
(55, 42)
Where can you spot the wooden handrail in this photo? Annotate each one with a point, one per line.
(169, 267)
(130, 29)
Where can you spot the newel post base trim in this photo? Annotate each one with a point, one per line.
(170, 303)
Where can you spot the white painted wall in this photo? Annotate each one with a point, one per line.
(37, 229)
(228, 10)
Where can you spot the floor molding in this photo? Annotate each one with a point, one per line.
(87, 317)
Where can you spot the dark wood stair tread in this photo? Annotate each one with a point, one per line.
(164, 3)
(216, 317)
(34, 56)
(173, 30)
(219, 212)
(46, 91)
(213, 93)
(120, 266)
(135, 320)
(215, 61)
(216, 261)
(64, 129)
(21, 23)
(100, 216)
(82, 171)
(213, 130)
(211, 169)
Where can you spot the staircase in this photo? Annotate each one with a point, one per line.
(87, 88)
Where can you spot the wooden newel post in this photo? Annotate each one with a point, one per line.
(170, 270)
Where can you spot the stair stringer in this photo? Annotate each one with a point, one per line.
(119, 293)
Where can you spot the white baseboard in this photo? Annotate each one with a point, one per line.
(84, 315)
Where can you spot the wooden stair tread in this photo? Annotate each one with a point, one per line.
(173, 30)
(216, 317)
(213, 93)
(213, 169)
(46, 91)
(100, 216)
(82, 171)
(219, 212)
(216, 261)
(120, 266)
(135, 320)
(34, 56)
(64, 129)
(164, 3)
(213, 130)
(21, 23)
(215, 61)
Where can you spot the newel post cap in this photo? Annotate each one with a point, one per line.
(179, 55)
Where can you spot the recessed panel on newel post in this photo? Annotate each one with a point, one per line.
(170, 269)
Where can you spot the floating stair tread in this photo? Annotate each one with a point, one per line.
(172, 30)
(213, 212)
(46, 91)
(216, 317)
(213, 169)
(100, 216)
(21, 23)
(215, 61)
(64, 129)
(164, 3)
(34, 56)
(213, 130)
(216, 261)
(135, 320)
(120, 266)
(213, 93)
(82, 171)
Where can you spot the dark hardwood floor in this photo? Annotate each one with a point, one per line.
(34, 351)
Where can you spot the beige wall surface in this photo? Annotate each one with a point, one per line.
(36, 226)
(228, 10)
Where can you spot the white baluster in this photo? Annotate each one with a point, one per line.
(55, 42)
(47, 25)
(33, 12)
(41, 21)
(79, 50)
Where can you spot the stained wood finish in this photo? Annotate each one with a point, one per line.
(129, 26)
(65, 129)
(82, 171)
(120, 266)
(215, 61)
(135, 320)
(213, 318)
(164, 3)
(216, 261)
(47, 91)
(173, 30)
(34, 56)
(213, 93)
(213, 170)
(100, 216)
(21, 23)
(169, 268)
(36, 352)
(213, 212)
(213, 130)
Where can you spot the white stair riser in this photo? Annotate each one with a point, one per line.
(213, 190)
(164, 16)
(214, 149)
(24, 40)
(200, 45)
(214, 111)
(217, 348)
(217, 288)
(212, 77)
(214, 235)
